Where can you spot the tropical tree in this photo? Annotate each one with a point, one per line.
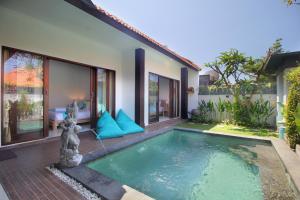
(239, 71)
(291, 2)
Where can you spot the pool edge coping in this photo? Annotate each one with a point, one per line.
(257, 138)
(290, 161)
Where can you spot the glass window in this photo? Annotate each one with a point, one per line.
(22, 95)
(153, 98)
(101, 91)
(105, 91)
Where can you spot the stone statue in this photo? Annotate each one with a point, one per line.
(69, 154)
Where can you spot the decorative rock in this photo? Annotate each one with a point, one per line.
(69, 154)
(74, 184)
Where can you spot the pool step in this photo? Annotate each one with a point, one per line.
(132, 194)
(3, 195)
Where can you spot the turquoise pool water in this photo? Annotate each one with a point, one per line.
(182, 165)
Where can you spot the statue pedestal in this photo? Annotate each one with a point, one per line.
(68, 158)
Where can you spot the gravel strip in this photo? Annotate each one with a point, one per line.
(74, 184)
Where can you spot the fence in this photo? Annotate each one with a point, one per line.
(272, 98)
(269, 88)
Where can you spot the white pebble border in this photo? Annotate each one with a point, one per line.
(74, 184)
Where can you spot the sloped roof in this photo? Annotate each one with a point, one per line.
(103, 15)
(280, 61)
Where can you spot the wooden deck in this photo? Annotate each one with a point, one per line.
(25, 177)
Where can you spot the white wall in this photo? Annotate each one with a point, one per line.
(279, 99)
(282, 92)
(285, 86)
(193, 82)
(125, 94)
(267, 97)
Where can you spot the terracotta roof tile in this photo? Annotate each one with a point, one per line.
(146, 37)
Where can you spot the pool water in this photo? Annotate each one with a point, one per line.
(182, 165)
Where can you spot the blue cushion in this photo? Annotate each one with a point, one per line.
(127, 124)
(107, 127)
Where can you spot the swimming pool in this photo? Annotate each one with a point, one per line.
(186, 165)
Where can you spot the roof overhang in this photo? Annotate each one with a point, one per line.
(278, 62)
(88, 7)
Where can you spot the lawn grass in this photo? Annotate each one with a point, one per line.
(230, 129)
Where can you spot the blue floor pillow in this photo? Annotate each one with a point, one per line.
(107, 127)
(127, 124)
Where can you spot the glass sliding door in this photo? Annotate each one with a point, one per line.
(23, 96)
(101, 91)
(163, 98)
(105, 91)
(153, 98)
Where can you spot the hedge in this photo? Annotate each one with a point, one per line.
(293, 103)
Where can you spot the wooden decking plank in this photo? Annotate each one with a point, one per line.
(8, 187)
(41, 183)
(55, 188)
(70, 192)
(27, 184)
(36, 187)
(19, 187)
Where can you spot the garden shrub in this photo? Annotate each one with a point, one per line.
(205, 112)
(242, 112)
(293, 101)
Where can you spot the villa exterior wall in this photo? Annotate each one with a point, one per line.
(279, 96)
(161, 65)
(50, 38)
(282, 92)
(193, 81)
(26, 33)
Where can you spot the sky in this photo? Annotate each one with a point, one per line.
(200, 29)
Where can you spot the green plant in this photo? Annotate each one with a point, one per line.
(291, 2)
(241, 75)
(221, 108)
(201, 114)
(211, 110)
(293, 102)
(282, 110)
(205, 112)
(241, 112)
(260, 111)
(267, 111)
(297, 117)
(228, 108)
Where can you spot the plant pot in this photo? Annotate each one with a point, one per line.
(281, 132)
